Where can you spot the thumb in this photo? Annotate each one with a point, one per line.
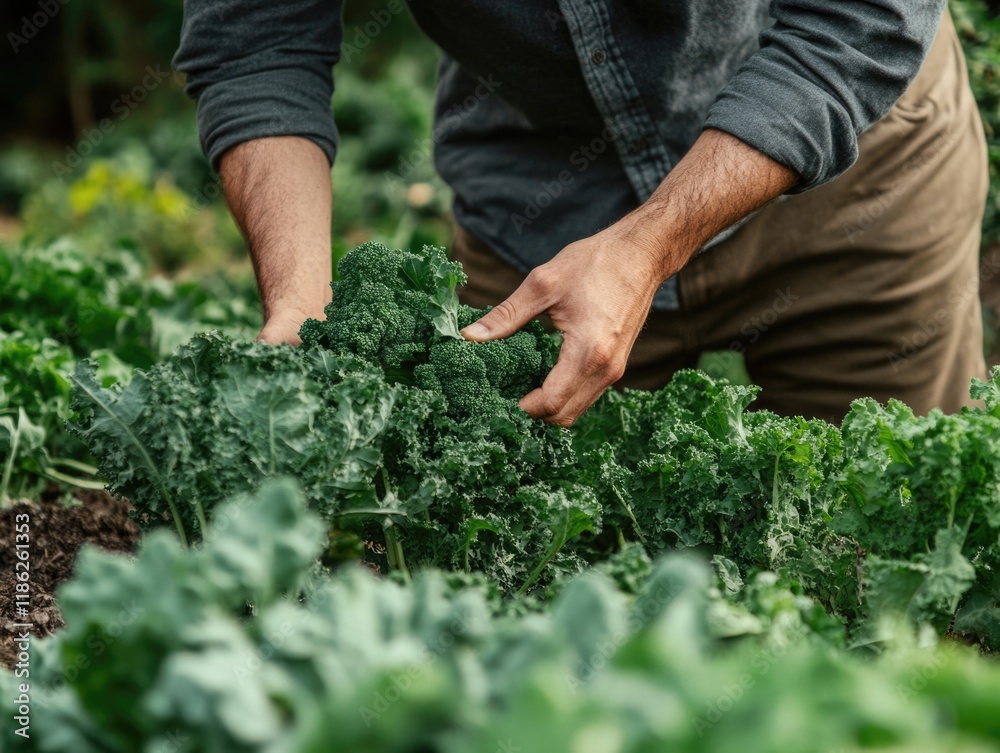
(507, 317)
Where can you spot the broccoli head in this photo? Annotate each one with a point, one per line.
(400, 311)
(387, 305)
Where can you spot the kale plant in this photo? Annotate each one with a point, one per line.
(398, 429)
(410, 440)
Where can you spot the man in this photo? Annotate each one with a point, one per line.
(827, 159)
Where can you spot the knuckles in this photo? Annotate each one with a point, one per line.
(616, 371)
(543, 282)
(600, 356)
(550, 407)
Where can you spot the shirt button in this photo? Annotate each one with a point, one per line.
(598, 56)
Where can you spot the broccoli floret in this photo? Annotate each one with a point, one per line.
(481, 379)
(463, 379)
(514, 365)
(387, 304)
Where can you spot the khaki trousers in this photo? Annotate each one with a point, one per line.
(867, 286)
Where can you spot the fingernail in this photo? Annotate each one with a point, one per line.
(475, 331)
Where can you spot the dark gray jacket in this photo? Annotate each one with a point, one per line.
(554, 119)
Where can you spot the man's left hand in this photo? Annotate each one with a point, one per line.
(597, 292)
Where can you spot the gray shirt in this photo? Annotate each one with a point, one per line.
(554, 118)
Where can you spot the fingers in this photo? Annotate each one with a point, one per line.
(580, 376)
(524, 304)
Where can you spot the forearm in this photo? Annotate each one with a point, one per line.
(279, 192)
(719, 182)
(598, 290)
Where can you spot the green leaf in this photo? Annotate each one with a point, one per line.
(113, 424)
(433, 273)
(565, 513)
(926, 588)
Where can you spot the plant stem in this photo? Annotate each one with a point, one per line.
(9, 467)
(631, 516)
(200, 512)
(393, 548)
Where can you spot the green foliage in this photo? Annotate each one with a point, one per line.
(924, 498)
(387, 304)
(379, 414)
(125, 199)
(402, 433)
(220, 416)
(408, 440)
(159, 648)
(689, 467)
(65, 303)
(34, 404)
(399, 311)
(92, 301)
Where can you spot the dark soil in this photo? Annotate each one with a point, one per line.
(57, 531)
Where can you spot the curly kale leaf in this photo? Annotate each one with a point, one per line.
(432, 273)
(221, 416)
(910, 476)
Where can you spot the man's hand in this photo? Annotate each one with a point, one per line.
(283, 326)
(598, 291)
(279, 192)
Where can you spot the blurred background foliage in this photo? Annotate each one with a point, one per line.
(143, 177)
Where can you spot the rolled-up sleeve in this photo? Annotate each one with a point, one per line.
(827, 70)
(261, 69)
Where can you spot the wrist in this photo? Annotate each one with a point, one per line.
(294, 308)
(659, 244)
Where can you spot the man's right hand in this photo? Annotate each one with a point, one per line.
(283, 327)
(280, 195)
